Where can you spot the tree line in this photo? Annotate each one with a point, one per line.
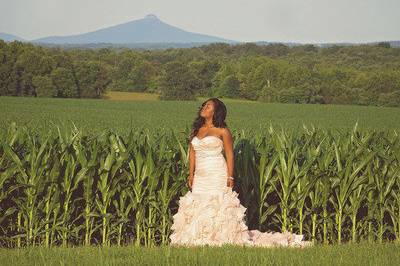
(359, 74)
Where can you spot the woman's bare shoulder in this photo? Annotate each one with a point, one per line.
(224, 130)
(225, 133)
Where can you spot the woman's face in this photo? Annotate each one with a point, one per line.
(207, 110)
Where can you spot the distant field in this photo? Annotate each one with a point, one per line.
(141, 96)
(120, 114)
(130, 96)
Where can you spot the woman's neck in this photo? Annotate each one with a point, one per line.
(208, 124)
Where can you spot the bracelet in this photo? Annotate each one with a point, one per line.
(231, 177)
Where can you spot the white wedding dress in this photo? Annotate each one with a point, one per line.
(211, 214)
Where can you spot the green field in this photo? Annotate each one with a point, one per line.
(354, 254)
(334, 166)
(119, 116)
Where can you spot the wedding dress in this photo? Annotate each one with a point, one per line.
(211, 214)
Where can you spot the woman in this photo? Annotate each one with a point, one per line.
(211, 213)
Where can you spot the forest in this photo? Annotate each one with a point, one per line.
(338, 74)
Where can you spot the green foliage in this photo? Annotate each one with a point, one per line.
(178, 83)
(68, 188)
(92, 79)
(64, 83)
(360, 74)
(142, 77)
(230, 87)
(44, 86)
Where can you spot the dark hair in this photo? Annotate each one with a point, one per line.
(218, 117)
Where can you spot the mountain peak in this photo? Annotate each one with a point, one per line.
(151, 16)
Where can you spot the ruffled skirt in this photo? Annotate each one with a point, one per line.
(218, 218)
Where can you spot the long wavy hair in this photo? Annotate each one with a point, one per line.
(218, 117)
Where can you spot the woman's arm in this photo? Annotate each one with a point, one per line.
(191, 161)
(228, 147)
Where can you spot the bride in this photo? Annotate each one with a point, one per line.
(211, 213)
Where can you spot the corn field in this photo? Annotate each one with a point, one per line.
(72, 189)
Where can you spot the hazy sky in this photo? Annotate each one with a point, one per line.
(242, 20)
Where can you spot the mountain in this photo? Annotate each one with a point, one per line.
(9, 37)
(394, 44)
(136, 46)
(147, 30)
(149, 33)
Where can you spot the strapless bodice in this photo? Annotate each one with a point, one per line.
(207, 146)
(210, 175)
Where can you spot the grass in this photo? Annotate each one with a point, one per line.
(123, 111)
(95, 115)
(140, 96)
(346, 254)
(130, 96)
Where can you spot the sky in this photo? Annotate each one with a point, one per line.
(304, 21)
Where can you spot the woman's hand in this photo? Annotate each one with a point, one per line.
(190, 181)
(230, 183)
